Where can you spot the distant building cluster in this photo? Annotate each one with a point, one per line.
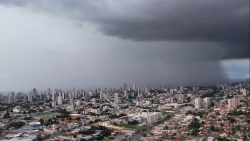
(131, 112)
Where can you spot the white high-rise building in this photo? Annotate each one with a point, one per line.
(63, 95)
(116, 98)
(53, 96)
(207, 102)
(30, 97)
(125, 94)
(60, 100)
(103, 95)
(243, 91)
(198, 102)
(90, 93)
(53, 104)
(134, 87)
(72, 103)
(125, 87)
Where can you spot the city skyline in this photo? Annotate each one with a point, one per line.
(128, 113)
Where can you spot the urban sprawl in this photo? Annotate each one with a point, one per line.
(128, 113)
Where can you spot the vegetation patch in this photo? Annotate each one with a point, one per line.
(47, 115)
(15, 125)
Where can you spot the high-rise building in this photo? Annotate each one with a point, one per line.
(13, 95)
(233, 103)
(34, 91)
(243, 91)
(90, 93)
(30, 97)
(103, 95)
(63, 95)
(60, 100)
(198, 102)
(116, 98)
(125, 94)
(207, 102)
(11, 98)
(134, 87)
(53, 96)
(125, 87)
(97, 91)
(74, 93)
(53, 103)
(72, 103)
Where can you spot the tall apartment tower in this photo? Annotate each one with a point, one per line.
(207, 102)
(125, 94)
(53, 96)
(30, 97)
(116, 98)
(72, 102)
(53, 104)
(11, 98)
(103, 95)
(198, 102)
(60, 99)
(233, 103)
(243, 91)
(125, 87)
(134, 87)
(34, 91)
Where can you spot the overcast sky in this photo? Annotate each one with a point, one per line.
(104, 43)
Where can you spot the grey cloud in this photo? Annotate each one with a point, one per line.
(224, 22)
(172, 42)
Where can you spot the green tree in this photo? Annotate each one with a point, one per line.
(6, 115)
(15, 125)
(41, 121)
(133, 122)
(194, 127)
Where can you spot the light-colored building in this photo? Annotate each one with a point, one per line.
(148, 117)
(17, 109)
(154, 117)
(53, 104)
(207, 102)
(30, 97)
(60, 99)
(125, 94)
(53, 96)
(11, 98)
(243, 91)
(103, 95)
(116, 99)
(198, 102)
(233, 103)
(72, 105)
(134, 87)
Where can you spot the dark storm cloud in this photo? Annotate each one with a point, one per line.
(224, 22)
(172, 42)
